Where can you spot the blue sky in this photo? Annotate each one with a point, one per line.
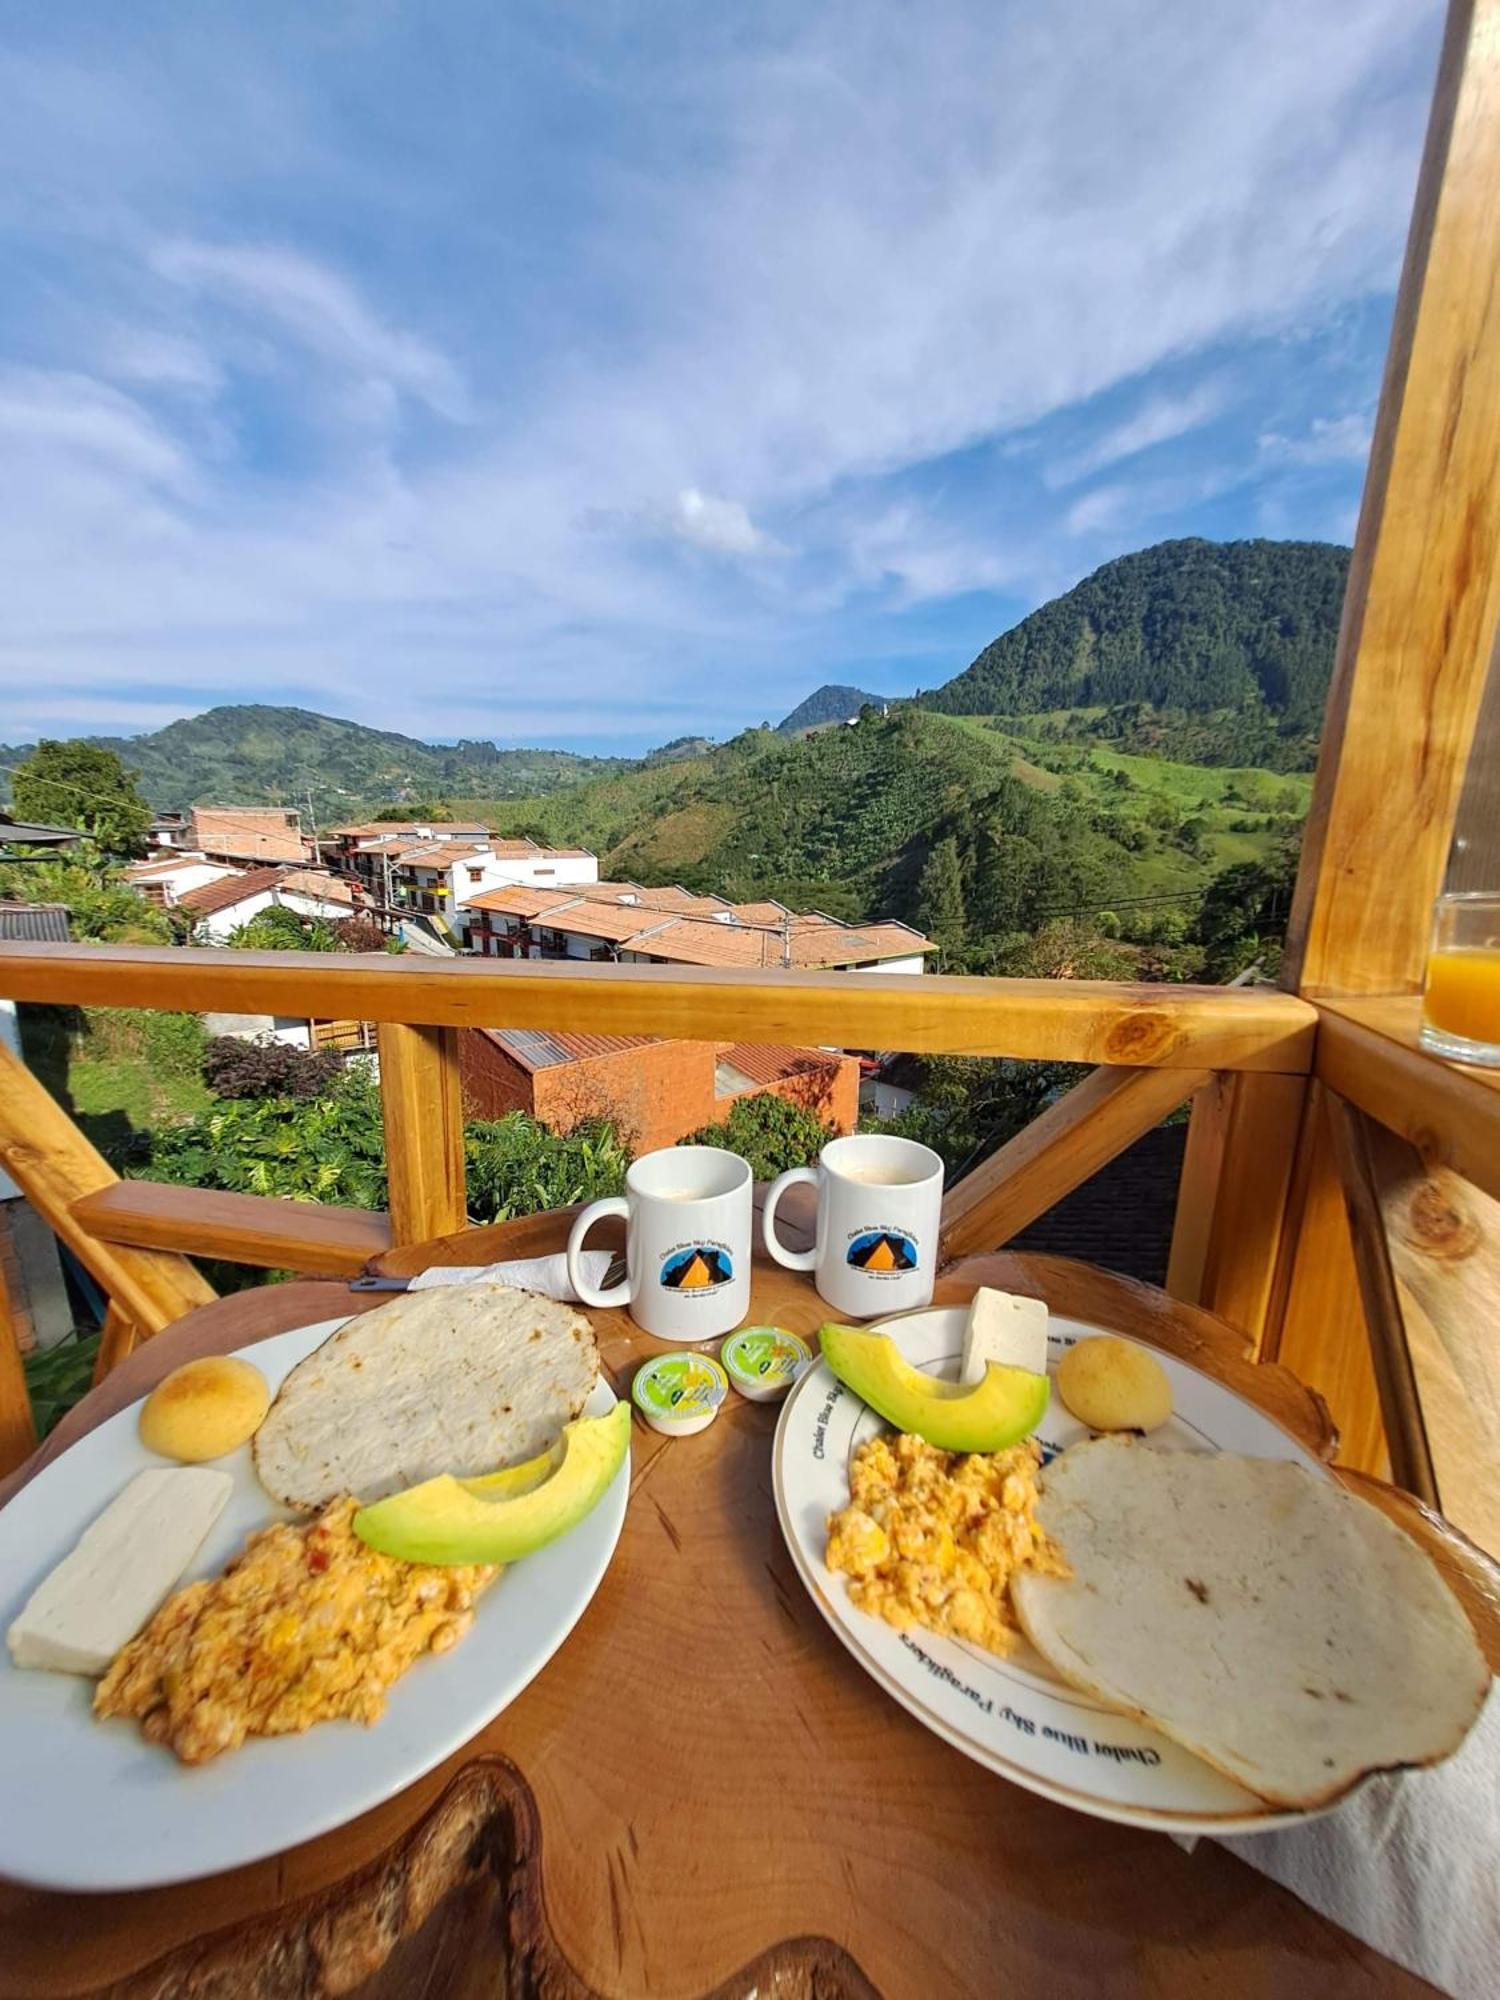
(589, 374)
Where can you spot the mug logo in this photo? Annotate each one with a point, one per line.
(883, 1250)
(698, 1269)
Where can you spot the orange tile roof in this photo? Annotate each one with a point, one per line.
(212, 897)
(774, 1062)
(438, 854)
(809, 942)
(522, 899)
(694, 942)
(767, 912)
(609, 892)
(318, 882)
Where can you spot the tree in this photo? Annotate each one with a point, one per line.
(363, 933)
(940, 896)
(277, 928)
(1244, 915)
(966, 1106)
(74, 783)
(769, 1132)
(1066, 948)
(102, 906)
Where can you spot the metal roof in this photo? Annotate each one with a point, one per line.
(34, 923)
(28, 834)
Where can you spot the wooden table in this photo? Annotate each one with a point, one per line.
(702, 1793)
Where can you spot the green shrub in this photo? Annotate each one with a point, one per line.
(235, 1067)
(768, 1131)
(514, 1166)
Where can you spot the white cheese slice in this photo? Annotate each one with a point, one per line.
(101, 1594)
(1007, 1329)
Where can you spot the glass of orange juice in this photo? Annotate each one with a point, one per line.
(1461, 1001)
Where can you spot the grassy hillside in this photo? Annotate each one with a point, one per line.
(845, 819)
(256, 754)
(1243, 629)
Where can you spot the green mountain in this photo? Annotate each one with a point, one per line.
(829, 703)
(260, 755)
(1192, 626)
(844, 820)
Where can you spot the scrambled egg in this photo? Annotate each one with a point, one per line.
(932, 1537)
(305, 1625)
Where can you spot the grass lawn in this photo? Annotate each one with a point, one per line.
(104, 1084)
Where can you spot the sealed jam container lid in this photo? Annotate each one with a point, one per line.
(764, 1361)
(679, 1393)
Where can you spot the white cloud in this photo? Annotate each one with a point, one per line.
(56, 418)
(320, 309)
(169, 360)
(720, 525)
(738, 286)
(1341, 440)
(1158, 420)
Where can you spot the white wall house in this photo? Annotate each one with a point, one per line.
(444, 881)
(168, 879)
(221, 907)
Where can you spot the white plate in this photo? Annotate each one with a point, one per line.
(95, 1806)
(1014, 1714)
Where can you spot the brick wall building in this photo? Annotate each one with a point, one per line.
(653, 1092)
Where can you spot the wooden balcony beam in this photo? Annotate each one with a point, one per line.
(1088, 1021)
(53, 1164)
(304, 1236)
(1368, 1052)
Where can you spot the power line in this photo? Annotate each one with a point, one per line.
(129, 798)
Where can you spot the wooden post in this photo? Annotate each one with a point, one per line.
(424, 1131)
(1413, 655)
(1390, 1355)
(1057, 1152)
(1424, 587)
(53, 1164)
(1444, 1240)
(17, 1425)
(1317, 1326)
(117, 1337)
(1229, 1235)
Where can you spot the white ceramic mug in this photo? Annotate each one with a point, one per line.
(687, 1243)
(880, 1204)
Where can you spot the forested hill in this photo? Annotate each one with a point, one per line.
(257, 754)
(829, 703)
(1188, 625)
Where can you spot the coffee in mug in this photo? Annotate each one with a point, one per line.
(880, 1204)
(687, 1216)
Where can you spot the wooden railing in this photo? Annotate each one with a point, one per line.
(1245, 1055)
(1336, 1198)
(1157, 1045)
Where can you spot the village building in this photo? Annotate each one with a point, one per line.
(442, 878)
(635, 926)
(653, 1092)
(221, 907)
(165, 877)
(248, 833)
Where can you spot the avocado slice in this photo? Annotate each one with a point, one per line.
(994, 1414)
(506, 1514)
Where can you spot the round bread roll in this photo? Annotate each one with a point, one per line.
(204, 1409)
(1113, 1385)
